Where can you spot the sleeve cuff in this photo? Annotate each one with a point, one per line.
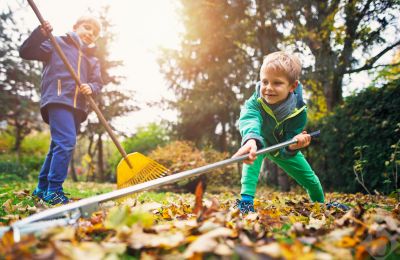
(259, 140)
(286, 153)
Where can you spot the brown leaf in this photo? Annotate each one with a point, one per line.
(316, 223)
(345, 219)
(8, 206)
(272, 249)
(166, 240)
(198, 206)
(206, 242)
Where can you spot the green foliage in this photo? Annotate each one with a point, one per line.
(6, 141)
(147, 139)
(36, 144)
(34, 148)
(369, 120)
(19, 83)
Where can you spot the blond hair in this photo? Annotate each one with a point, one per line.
(285, 62)
(89, 19)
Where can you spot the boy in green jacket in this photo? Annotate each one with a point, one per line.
(276, 113)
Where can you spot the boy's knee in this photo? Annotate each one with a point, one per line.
(67, 144)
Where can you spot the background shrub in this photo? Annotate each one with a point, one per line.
(370, 121)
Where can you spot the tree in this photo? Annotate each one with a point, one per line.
(19, 83)
(113, 101)
(210, 71)
(334, 31)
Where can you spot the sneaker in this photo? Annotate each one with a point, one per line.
(56, 197)
(245, 206)
(39, 193)
(338, 205)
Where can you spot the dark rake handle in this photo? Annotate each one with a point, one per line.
(78, 82)
(315, 134)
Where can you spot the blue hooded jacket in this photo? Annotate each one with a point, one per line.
(58, 86)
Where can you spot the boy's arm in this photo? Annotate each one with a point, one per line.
(250, 122)
(36, 47)
(95, 81)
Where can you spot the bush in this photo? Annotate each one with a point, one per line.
(367, 121)
(25, 169)
(36, 144)
(145, 140)
(180, 156)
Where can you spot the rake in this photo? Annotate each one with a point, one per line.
(69, 214)
(133, 168)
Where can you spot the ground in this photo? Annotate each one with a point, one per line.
(174, 226)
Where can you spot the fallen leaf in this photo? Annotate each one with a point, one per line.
(198, 206)
(206, 242)
(8, 206)
(316, 223)
(272, 249)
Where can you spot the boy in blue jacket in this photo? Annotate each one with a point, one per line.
(63, 105)
(276, 113)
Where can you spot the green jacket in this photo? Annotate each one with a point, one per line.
(257, 121)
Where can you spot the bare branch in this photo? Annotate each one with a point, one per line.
(370, 63)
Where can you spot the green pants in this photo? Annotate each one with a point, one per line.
(297, 167)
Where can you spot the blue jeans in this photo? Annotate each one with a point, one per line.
(64, 124)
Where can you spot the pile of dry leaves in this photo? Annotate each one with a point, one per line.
(285, 226)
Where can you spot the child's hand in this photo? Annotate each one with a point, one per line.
(303, 140)
(46, 28)
(86, 89)
(250, 147)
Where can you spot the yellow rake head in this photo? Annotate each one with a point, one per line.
(143, 169)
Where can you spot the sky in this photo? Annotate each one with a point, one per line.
(141, 27)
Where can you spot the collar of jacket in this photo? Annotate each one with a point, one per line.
(268, 110)
(72, 37)
(300, 106)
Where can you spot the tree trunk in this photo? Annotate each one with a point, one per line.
(90, 172)
(100, 164)
(283, 180)
(272, 173)
(222, 140)
(18, 141)
(72, 168)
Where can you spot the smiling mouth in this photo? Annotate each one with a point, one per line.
(86, 39)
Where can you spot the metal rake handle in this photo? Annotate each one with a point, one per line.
(93, 201)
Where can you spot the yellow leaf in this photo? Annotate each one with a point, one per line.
(347, 242)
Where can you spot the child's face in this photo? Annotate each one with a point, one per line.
(275, 86)
(87, 32)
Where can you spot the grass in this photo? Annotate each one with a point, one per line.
(16, 200)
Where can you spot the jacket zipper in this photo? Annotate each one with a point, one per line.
(269, 112)
(59, 87)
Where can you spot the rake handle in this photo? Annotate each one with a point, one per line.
(92, 104)
(273, 148)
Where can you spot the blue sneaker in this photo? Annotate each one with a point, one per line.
(39, 193)
(56, 197)
(245, 206)
(338, 205)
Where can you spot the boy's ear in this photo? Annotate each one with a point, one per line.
(294, 86)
